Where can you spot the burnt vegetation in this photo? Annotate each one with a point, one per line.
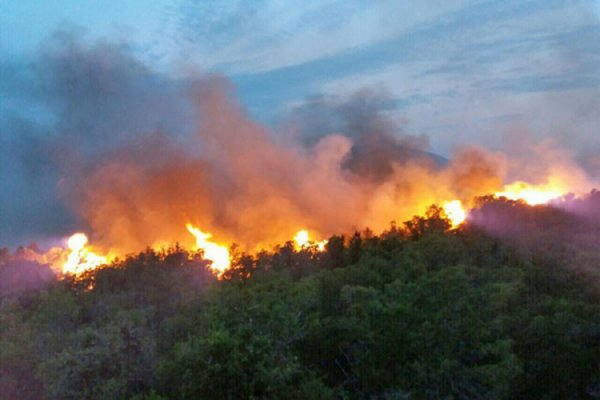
(505, 307)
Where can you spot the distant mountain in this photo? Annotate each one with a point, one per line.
(374, 155)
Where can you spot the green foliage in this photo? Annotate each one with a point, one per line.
(418, 312)
(242, 346)
(18, 356)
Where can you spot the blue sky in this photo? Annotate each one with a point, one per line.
(460, 72)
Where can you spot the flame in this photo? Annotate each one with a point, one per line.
(321, 245)
(532, 194)
(455, 212)
(80, 258)
(218, 255)
(302, 240)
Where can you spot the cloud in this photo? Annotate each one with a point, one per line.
(527, 68)
(247, 37)
(65, 110)
(453, 72)
(135, 155)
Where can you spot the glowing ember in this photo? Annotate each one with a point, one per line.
(531, 194)
(218, 255)
(455, 212)
(80, 258)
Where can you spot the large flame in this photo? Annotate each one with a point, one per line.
(519, 190)
(80, 258)
(455, 212)
(217, 254)
(301, 238)
(302, 241)
(247, 184)
(532, 194)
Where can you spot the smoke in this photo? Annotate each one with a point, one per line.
(134, 155)
(378, 141)
(234, 180)
(535, 160)
(18, 276)
(565, 234)
(61, 113)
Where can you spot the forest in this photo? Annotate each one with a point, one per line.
(506, 306)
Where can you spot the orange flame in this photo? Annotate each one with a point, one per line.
(455, 212)
(217, 254)
(80, 258)
(303, 241)
(301, 238)
(532, 194)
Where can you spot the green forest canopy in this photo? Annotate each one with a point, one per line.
(508, 309)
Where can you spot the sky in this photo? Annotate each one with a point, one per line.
(453, 71)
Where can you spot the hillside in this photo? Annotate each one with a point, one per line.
(421, 311)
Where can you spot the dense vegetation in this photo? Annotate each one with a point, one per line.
(419, 312)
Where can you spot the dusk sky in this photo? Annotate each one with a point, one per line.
(455, 71)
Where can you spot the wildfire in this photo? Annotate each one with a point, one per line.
(519, 190)
(455, 212)
(218, 255)
(531, 194)
(301, 238)
(302, 241)
(80, 258)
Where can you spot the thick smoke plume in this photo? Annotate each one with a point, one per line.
(135, 155)
(235, 181)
